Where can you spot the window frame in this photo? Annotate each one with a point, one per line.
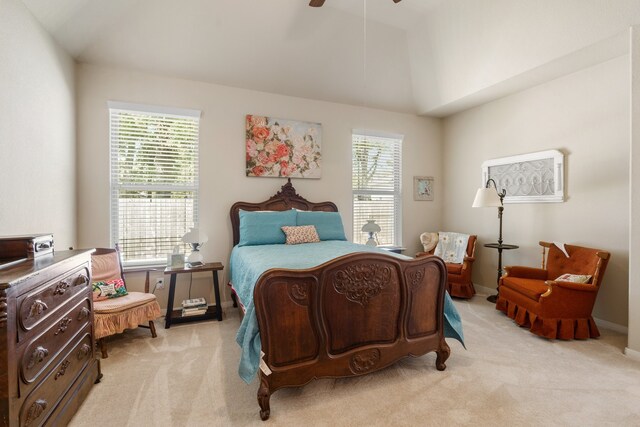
(397, 193)
(114, 187)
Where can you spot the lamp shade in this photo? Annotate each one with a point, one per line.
(371, 227)
(487, 198)
(195, 236)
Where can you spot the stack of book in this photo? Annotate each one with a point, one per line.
(194, 307)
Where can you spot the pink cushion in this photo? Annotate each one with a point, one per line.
(133, 299)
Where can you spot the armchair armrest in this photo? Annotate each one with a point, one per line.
(526, 272)
(583, 287)
(554, 302)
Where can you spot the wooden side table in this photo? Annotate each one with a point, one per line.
(392, 248)
(213, 311)
(500, 247)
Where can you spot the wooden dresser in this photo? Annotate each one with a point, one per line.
(47, 351)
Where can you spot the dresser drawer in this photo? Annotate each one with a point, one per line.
(44, 301)
(40, 352)
(43, 400)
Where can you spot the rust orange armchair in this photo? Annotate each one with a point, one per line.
(552, 308)
(459, 282)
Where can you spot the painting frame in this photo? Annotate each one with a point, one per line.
(282, 148)
(423, 188)
(520, 174)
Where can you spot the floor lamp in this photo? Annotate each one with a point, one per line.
(489, 197)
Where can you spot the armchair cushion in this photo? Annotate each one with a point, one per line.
(531, 288)
(115, 315)
(133, 299)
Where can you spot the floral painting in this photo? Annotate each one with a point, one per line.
(283, 148)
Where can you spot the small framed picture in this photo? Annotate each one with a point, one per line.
(423, 188)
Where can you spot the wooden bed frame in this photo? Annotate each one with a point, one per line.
(353, 315)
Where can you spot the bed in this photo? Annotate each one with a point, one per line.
(336, 310)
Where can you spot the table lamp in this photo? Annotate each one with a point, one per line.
(372, 228)
(489, 197)
(195, 238)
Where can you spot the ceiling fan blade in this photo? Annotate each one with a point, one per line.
(318, 3)
(396, 1)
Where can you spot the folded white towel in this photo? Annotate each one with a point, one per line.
(562, 248)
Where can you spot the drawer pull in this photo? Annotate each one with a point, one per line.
(37, 356)
(81, 280)
(63, 369)
(43, 245)
(37, 308)
(35, 411)
(84, 313)
(62, 287)
(3, 310)
(84, 351)
(63, 325)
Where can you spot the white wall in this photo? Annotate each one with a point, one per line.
(585, 115)
(633, 345)
(223, 179)
(37, 131)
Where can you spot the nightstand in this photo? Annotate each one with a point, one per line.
(392, 248)
(213, 311)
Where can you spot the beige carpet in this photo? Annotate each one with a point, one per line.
(506, 377)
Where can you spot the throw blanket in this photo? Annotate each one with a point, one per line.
(247, 264)
(452, 247)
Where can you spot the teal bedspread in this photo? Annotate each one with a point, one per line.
(249, 262)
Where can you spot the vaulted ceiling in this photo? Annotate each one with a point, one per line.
(422, 56)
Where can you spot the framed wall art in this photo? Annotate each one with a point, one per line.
(528, 178)
(423, 188)
(282, 147)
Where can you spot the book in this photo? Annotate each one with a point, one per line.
(193, 302)
(196, 308)
(194, 312)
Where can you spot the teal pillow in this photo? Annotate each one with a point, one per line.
(328, 224)
(264, 228)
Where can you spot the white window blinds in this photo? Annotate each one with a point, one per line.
(376, 172)
(154, 179)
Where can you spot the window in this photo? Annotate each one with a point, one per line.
(154, 179)
(376, 172)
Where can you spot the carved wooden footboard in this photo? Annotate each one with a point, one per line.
(350, 316)
(353, 315)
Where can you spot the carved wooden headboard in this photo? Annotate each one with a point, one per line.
(283, 200)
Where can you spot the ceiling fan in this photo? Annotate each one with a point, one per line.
(318, 3)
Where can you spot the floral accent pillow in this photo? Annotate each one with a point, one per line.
(300, 234)
(575, 278)
(109, 289)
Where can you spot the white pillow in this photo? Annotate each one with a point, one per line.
(575, 278)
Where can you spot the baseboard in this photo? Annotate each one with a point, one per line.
(482, 290)
(632, 354)
(227, 304)
(612, 326)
